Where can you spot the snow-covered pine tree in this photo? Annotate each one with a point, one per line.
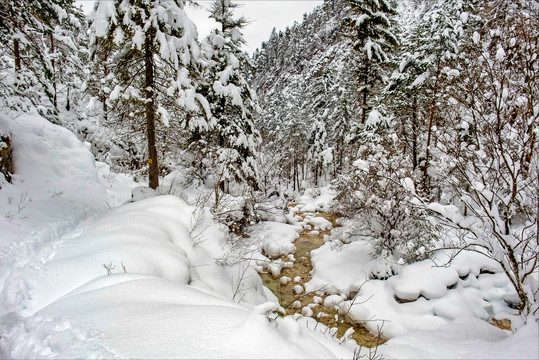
(379, 195)
(233, 103)
(317, 107)
(317, 148)
(287, 66)
(369, 25)
(29, 31)
(155, 61)
(421, 83)
(69, 56)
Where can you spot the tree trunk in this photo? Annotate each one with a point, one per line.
(426, 179)
(17, 55)
(414, 133)
(53, 64)
(316, 174)
(153, 171)
(294, 172)
(364, 107)
(104, 97)
(365, 93)
(68, 101)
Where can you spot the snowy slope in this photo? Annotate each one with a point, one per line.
(81, 281)
(55, 182)
(431, 309)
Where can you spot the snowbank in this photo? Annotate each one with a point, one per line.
(54, 185)
(340, 270)
(423, 296)
(141, 280)
(465, 338)
(275, 239)
(135, 284)
(314, 200)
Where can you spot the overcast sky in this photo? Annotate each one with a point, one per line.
(263, 14)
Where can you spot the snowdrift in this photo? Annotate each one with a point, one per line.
(80, 281)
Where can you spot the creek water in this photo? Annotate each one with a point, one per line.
(302, 268)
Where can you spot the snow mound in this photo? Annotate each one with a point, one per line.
(319, 223)
(340, 269)
(54, 182)
(465, 338)
(422, 296)
(134, 283)
(275, 239)
(314, 200)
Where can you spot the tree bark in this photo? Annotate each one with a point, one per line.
(414, 133)
(365, 94)
(426, 179)
(53, 64)
(294, 172)
(153, 171)
(17, 55)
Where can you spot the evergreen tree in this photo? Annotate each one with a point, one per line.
(422, 82)
(379, 195)
(232, 102)
(155, 61)
(317, 148)
(370, 28)
(34, 36)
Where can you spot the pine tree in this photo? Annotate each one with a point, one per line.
(155, 61)
(317, 148)
(33, 35)
(421, 82)
(233, 103)
(369, 26)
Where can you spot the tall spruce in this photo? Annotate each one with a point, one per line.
(232, 101)
(421, 84)
(369, 25)
(155, 59)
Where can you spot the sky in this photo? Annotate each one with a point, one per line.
(264, 15)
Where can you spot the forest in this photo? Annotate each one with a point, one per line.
(375, 166)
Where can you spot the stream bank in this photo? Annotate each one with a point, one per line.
(288, 288)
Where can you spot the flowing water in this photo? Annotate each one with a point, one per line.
(302, 268)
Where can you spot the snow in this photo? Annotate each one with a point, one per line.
(420, 79)
(314, 200)
(275, 238)
(500, 53)
(145, 279)
(466, 338)
(80, 280)
(319, 223)
(374, 118)
(339, 270)
(423, 296)
(46, 193)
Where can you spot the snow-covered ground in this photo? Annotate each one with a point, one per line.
(430, 309)
(81, 281)
(85, 273)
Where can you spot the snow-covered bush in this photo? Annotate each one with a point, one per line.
(379, 194)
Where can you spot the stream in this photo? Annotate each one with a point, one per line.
(302, 267)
